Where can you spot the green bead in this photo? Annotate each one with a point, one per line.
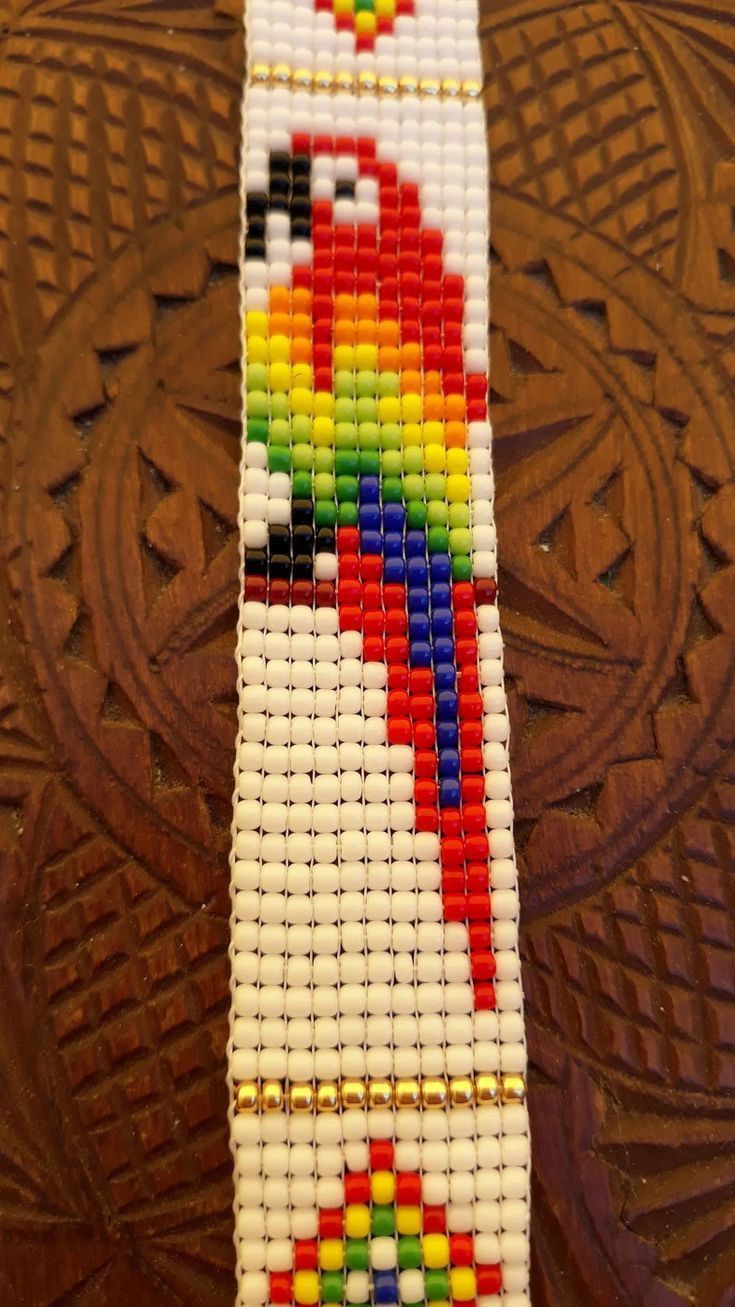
(323, 459)
(344, 383)
(391, 464)
(344, 409)
(302, 458)
(280, 432)
(382, 1221)
(256, 376)
(257, 429)
(366, 409)
(366, 383)
(461, 568)
(438, 540)
(356, 1255)
(416, 515)
(325, 512)
(324, 485)
(301, 487)
(332, 1286)
(300, 428)
(345, 435)
(368, 435)
(413, 462)
(460, 541)
(409, 1253)
(392, 490)
(347, 514)
(347, 462)
(459, 514)
(436, 1285)
(279, 459)
(413, 488)
(390, 435)
(365, 6)
(436, 485)
(389, 383)
(279, 406)
(257, 404)
(437, 513)
(369, 460)
(347, 489)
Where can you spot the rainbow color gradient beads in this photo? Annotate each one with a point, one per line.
(377, 1053)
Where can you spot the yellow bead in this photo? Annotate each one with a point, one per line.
(344, 358)
(457, 461)
(256, 323)
(411, 433)
(411, 408)
(436, 1251)
(302, 375)
(433, 433)
(486, 1088)
(331, 1254)
(279, 349)
(389, 408)
(382, 1186)
(512, 1088)
(385, 8)
(458, 489)
(327, 1096)
(279, 376)
(256, 350)
(322, 431)
(435, 458)
(344, 6)
(461, 1091)
(408, 1220)
(366, 358)
(247, 1096)
(365, 23)
(301, 1097)
(306, 1287)
(434, 1092)
(323, 404)
(462, 1283)
(301, 400)
(357, 1221)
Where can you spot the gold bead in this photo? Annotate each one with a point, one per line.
(387, 85)
(353, 1093)
(486, 1088)
(434, 1092)
(323, 80)
(380, 1093)
(260, 73)
(344, 82)
(429, 86)
(327, 1096)
(281, 74)
(512, 1088)
(472, 89)
(367, 81)
(451, 87)
(303, 78)
(461, 1091)
(272, 1096)
(247, 1098)
(301, 1097)
(408, 1093)
(408, 84)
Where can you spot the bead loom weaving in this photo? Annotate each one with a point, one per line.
(377, 1054)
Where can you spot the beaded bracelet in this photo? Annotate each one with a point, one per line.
(377, 1056)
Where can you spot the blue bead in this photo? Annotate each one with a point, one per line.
(448, 762)
(447, 735)
(449, 793)
(446, 706)
(418, 600)
(369, 490)
(443, 650)
(420, 654)
(418, 572)
(441, 621)
(369, 517)
(393, 546)
(441, 567)
(385, 1287)
(394, 571)
(441, 595)
(418, 627)
(394, 516)
(445, 676)
(415, 544)
(371, 542)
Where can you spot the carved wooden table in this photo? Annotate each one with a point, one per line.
(613, 287)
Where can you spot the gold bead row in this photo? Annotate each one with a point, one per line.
(333, 1095)
(367, 83)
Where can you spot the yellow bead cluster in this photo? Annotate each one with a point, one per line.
(331, 1096)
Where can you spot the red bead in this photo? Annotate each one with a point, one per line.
(306, 1253)
(455, 907)
(422, 707)
(424, 763)
(397, 703)
(371, 597)
(396, 648)
(452, 851)
(371, 567)
(478, 907)
(465, 623)
(357, 1187)
(484, 996)
(479, 935)
(421, 680)
(483, 966)
(427, 819)
(373, 649)
(424, 735)
(473, 817)
(477, 877)
(302, 592)
(394, 596)
(348, 540)
(460, 1250)
(425, 791)
(350, 617)
(331, 1223)
(435, 1220)
(396, 621)
(399, 730)
(473, 789)
(256, 588)
(463, 595)
(397, 676)
(279, 590)
(470, 762)
(489, 1280)
(381, 1155)
(476, 848)
(408, 1189)
(470, 706)
(466, 651)
(451, 821)
(281, 1287)
(485, 590)
(349, 568)
(374, 622)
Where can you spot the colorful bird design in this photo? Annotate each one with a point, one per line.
(368, 19)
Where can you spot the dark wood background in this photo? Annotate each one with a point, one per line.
(613, 327)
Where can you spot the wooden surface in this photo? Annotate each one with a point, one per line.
(613, 266)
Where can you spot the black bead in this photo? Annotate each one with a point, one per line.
(256, 204)
(256, 562)
(302, 512)
(279, 566)
(344, 190)
(325, 540)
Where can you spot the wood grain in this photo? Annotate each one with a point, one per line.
(613, 330)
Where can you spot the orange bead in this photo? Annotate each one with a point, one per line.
(411, 356)
(301, 300)
(433, 408)
(367, 307)
(280, 299)
(410, 383)
(433, 383)
(345, 306)
(367, 332)
(280, 324)
(344, 331)
(301, 350)
(455, 407)
(388, 332)
(388, 357)
(301, 325)
(455, 435)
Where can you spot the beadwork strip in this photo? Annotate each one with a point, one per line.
(377, 1056)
